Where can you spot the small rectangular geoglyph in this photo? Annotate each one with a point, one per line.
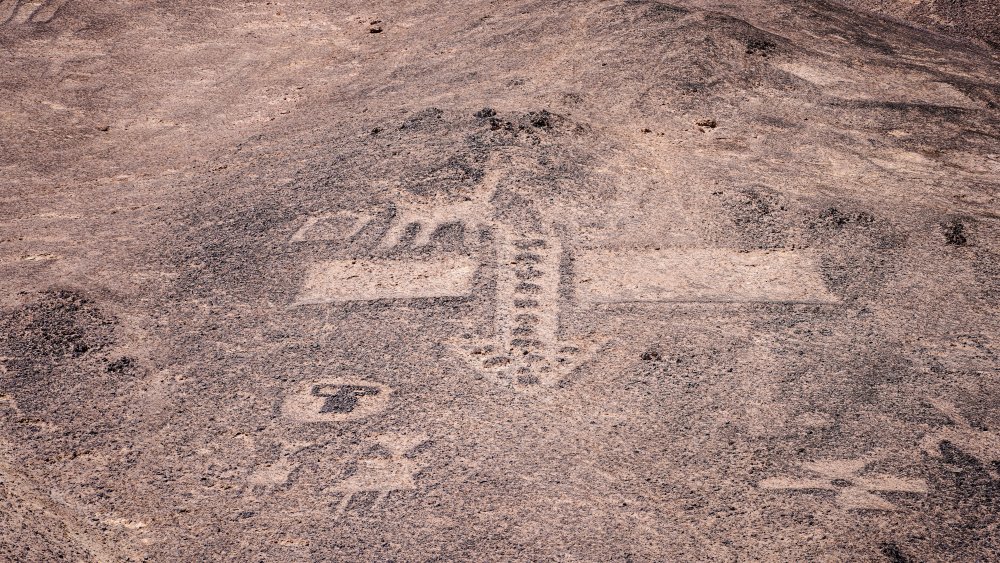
(363, 280)
(711, 275)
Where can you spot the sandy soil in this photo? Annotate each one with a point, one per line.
(606, 281)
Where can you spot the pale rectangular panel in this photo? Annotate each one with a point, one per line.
(362, 280)
(685, 275)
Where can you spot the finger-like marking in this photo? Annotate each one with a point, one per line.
(7, 10)
(47, 11)
(26, 10)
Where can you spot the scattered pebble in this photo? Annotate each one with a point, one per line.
(954, 233)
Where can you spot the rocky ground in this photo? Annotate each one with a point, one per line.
(615, 280)
(976, 19)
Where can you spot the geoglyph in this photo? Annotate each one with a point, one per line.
(336, 400)
(844, 476)
(536, 271)
(382, 475)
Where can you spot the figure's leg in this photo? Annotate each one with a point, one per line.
(342, 506)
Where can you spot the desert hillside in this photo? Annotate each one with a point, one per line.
(618, 280)
(977, 19)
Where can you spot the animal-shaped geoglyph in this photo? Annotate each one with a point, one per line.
(427, 216)
(382, 475)
(854, 490)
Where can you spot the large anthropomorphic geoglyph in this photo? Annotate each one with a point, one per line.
(538, 275)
